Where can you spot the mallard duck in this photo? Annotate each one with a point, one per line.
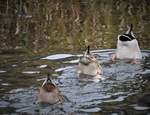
(88, 64)
(127, 46)
(49, 92)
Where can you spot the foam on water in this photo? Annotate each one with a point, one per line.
(2, 71)
(57, 56)
(42, 66)
(96, 109)
(141, 108)
(31, 72)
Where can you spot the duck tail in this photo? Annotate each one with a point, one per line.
(131, 28)
(129, 32)
(48, 78)
(88, 49)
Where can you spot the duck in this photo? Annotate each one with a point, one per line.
(49, 92)
(127, 46)
(88, 64)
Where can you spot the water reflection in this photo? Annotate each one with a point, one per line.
(70, 25)
(120, 90)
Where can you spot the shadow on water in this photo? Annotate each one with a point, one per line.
(120, 92)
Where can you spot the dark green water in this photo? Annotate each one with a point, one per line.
(32, 30)
(68, 25)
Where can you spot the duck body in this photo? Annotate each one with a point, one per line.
(89, 65)
(49, 93)
(48, 97)
(128, 49)
(127, 46)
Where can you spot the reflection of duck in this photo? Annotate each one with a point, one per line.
(49, 92)
(24, 13)
(88, 64)
(127, 46)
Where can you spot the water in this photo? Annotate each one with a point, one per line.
(119, 92)
(62, 28)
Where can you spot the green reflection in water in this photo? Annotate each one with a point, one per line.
(49, 26)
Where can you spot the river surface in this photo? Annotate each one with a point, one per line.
(119, 92)
(39, 37)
